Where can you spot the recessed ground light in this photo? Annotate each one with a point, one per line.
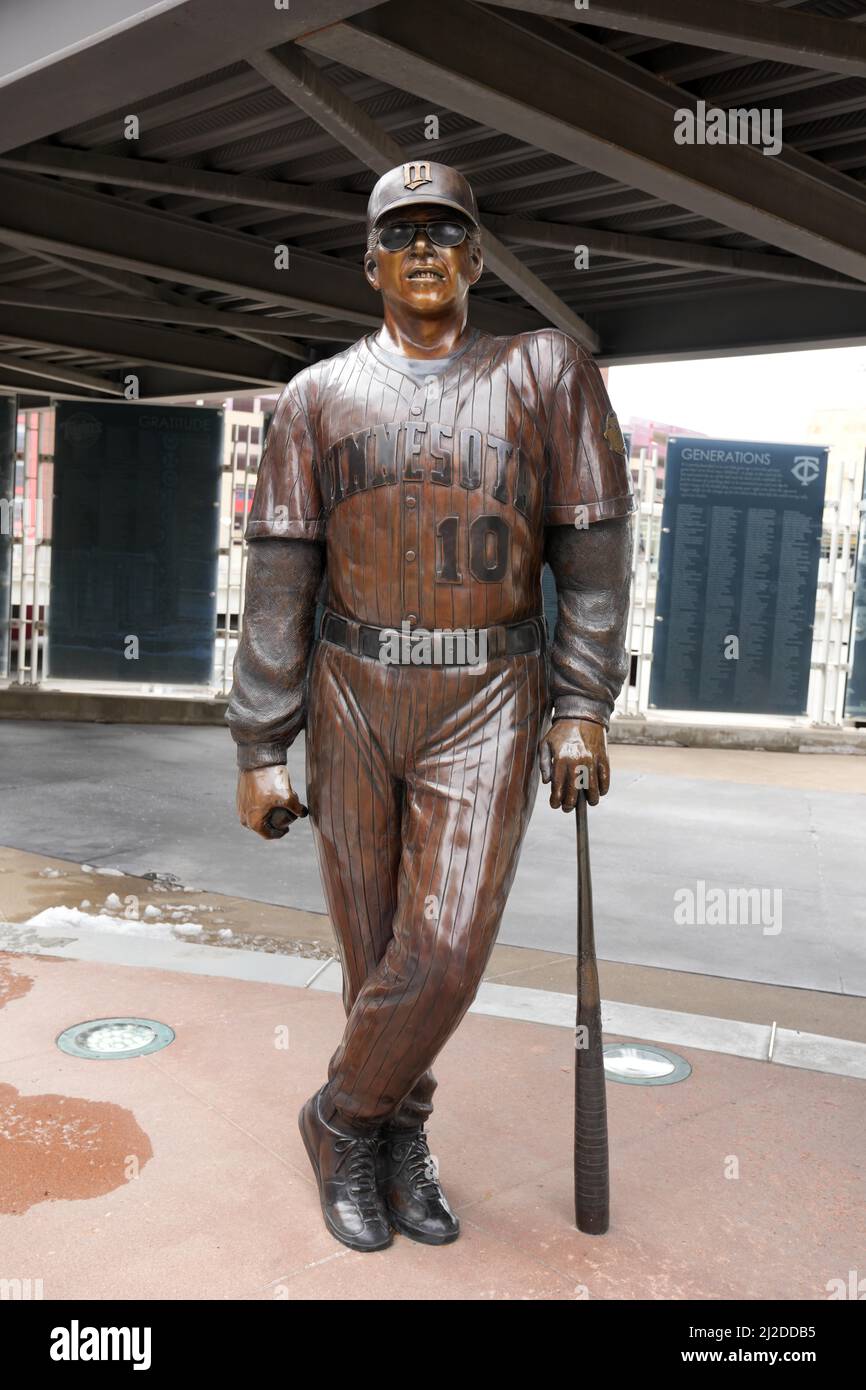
(109, 1039)
(638, 1065)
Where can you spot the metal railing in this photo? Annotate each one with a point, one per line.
(242, 446)
(25, 658)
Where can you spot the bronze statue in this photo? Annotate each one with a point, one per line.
(421, 478)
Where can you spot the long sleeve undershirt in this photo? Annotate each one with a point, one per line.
(589, 658)
(267, 705)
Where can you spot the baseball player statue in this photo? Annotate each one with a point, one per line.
(418, 481)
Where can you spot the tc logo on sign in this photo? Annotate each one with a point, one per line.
(416, 173)
(806, 468)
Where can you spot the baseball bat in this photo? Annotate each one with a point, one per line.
(591, 1169)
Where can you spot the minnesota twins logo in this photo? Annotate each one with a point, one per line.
(416, 172)
(806, 469)
(613, 434)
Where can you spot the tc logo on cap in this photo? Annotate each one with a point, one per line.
(416, 173)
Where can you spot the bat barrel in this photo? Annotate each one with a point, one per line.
(591, 1160)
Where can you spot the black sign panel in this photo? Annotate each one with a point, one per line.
(855, 693)
(738, 568)
(136, 542)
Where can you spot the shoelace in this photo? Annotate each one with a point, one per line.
(417, 1161)
(360, 1172)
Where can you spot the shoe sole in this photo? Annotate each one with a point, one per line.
(344, 1239)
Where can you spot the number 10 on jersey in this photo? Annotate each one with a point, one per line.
(487, 549)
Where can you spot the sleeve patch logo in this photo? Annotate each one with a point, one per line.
(613, 434)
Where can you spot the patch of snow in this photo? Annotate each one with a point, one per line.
(72, 918)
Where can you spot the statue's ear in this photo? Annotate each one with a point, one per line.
(371, 270)
(476, 263)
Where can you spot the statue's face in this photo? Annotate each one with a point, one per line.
(424, 277)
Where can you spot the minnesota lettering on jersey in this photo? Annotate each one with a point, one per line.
(425, 451)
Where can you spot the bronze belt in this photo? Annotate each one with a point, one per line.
(502, 639)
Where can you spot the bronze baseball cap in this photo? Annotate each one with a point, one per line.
(421, 181)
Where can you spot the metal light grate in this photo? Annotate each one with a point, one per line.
(109, 1039)
(638, 1065)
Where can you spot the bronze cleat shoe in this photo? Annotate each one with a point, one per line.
(345, 1169)
(409, 1183)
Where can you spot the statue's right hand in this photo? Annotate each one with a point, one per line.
(260, 791)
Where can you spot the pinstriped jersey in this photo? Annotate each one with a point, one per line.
(433, 492)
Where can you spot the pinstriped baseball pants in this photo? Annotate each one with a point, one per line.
(420, 783)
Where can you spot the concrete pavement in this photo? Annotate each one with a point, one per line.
(161, 799)
(182, 1174)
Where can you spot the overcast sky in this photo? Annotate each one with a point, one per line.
(772, 397)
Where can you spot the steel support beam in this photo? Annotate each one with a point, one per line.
(155, 383)
(734, 26)
(293, 74)
(137, 342)
(351, 207)
(197, 183)
(56, 371)
(48, 85)
(599, 111)
(101, 275)
(126, 308)
(106, 231)
(117, 279)
(731, 322)
(89, 227)
(663, 251)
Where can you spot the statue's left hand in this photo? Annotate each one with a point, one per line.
(573, 758)
(260, 791)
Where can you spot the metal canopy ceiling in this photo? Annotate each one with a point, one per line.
(262, 127)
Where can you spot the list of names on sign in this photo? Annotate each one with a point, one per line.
(738, 568)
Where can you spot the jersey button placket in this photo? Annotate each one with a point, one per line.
(411, 587)
(410, 568)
